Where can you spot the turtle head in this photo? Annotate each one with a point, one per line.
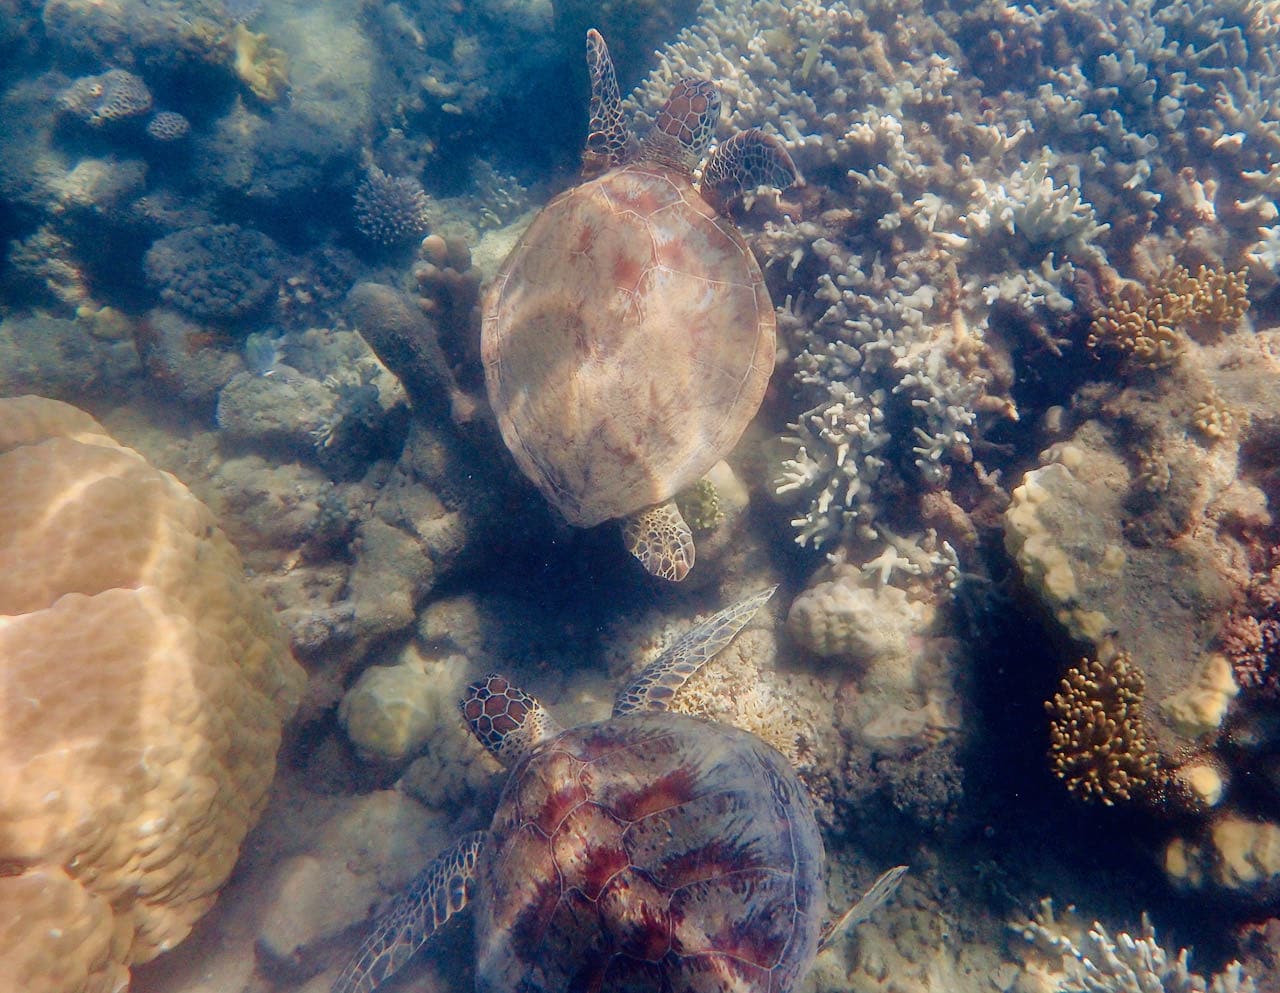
(505, 719)
(683, 129)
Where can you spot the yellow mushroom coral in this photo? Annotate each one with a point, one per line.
(143, 689)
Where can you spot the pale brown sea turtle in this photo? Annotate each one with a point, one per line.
(649, 853)
(628, 337)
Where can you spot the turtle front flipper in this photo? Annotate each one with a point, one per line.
(747, 160)
(659, 681)
(437, 893)
(609, 139)
(661, 540)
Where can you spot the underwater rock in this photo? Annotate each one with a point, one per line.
(286, 409)
(62, 359)
(391, 711)
(184, 358)
(126, 608)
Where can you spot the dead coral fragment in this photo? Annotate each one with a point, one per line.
(265, 70)
(1146, 324)
(1099, 744)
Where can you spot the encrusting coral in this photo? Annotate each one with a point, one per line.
(143, 692)
(1098, 743)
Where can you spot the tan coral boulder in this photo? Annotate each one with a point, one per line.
(143, 690)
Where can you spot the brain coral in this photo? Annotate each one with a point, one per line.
(143, 689)
(219, 271)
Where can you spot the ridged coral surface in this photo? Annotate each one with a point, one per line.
(143, 689)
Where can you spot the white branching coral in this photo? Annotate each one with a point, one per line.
(1092, 961)
(1030, 206)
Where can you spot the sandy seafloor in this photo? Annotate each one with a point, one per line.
(1016, 475)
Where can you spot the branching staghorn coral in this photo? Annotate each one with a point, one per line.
(1099, 744)
(1092, 961)
(955, 169)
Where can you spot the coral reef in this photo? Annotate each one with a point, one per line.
(167, 126)
(218, 271)
(1250, 638)
(124, 607)
(391, 209)
(1099, 744)
(1149, 325)
(115, 95)
(265, 70)
(1087, 959)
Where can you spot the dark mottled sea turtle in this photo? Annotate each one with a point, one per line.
(628, 338)
(648, 852)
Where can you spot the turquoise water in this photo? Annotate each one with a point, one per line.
(988, 392)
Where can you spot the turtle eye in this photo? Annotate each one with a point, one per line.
(598, 143)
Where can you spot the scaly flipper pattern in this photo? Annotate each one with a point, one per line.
(743, 162)
(661, 540)
(658, 682)
(876, 897)
(436, 894)
(609, 140)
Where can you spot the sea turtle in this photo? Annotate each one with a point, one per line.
(628, 338)
(648, 852)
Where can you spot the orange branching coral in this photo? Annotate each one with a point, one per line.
(1099, 744)
(1137, 326)
(1209, 302)
(1144, 324)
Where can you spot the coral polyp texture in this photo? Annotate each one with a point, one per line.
(391, 210)
(168, 125)
(216, 271)
(143, 688)
(1251, 637)
(115, 95)
(1098, 741)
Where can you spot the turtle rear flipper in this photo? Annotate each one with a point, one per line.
(876, 897)
(437, 893)
(747, 160)
(609, 140)
(658, 682)
(659, 537)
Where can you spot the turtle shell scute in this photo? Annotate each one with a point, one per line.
(627, 342)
